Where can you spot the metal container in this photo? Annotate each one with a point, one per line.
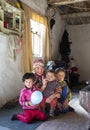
(84, 98)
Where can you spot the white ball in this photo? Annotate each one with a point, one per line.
(36, 97)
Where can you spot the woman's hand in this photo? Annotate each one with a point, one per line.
(44, 81)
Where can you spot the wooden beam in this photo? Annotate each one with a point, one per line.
(64, 2)
(72, 15)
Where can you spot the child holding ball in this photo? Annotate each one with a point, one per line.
(30, 111)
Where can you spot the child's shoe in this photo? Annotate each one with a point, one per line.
(14, 117)
(57, 111)
(89, 128)
(71, 109)
(47, 109)
(51, 113)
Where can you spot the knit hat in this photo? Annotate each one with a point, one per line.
(38, 62)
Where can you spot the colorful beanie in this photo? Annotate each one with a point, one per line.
(38, 62)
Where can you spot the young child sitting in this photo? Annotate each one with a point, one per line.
(50, 94)
(63, 101)
(30, 111)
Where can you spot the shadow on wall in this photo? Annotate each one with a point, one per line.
(52, 22)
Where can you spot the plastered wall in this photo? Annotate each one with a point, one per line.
(10, 72)
(80, 48)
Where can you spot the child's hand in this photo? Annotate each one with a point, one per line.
(30, 104)
(59, 89)
(57, 95)
(27, 103)
(65, 104)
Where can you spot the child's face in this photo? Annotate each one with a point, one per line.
(60, 76)
(39, 70)
(28, 83)
(50, 76)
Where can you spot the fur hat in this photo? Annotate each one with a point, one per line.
(38, 62)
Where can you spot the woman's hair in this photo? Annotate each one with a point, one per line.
(28, 76)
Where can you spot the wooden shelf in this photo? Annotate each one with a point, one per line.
(11, 18)
(8, 31)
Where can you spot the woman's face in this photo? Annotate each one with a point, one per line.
(39, 70)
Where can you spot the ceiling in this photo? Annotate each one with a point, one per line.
(74, 12)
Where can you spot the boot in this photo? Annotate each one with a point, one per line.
(47, 109)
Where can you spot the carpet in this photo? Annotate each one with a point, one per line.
(7, 124)
(4, 128)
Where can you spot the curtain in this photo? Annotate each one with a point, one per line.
(27, 39)
(27, 42)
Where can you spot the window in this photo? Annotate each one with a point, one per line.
(38, 38)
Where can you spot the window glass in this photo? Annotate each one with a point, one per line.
(38, 38)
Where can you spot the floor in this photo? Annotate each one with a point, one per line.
(78, 120)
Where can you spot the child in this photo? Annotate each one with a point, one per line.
(50, 94)
(31, 111)
(74, 75)
(65, 92)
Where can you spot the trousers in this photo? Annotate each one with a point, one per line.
(29, 115)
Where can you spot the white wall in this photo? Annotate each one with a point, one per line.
(10, 73)
(80, 48)
(56, 35)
